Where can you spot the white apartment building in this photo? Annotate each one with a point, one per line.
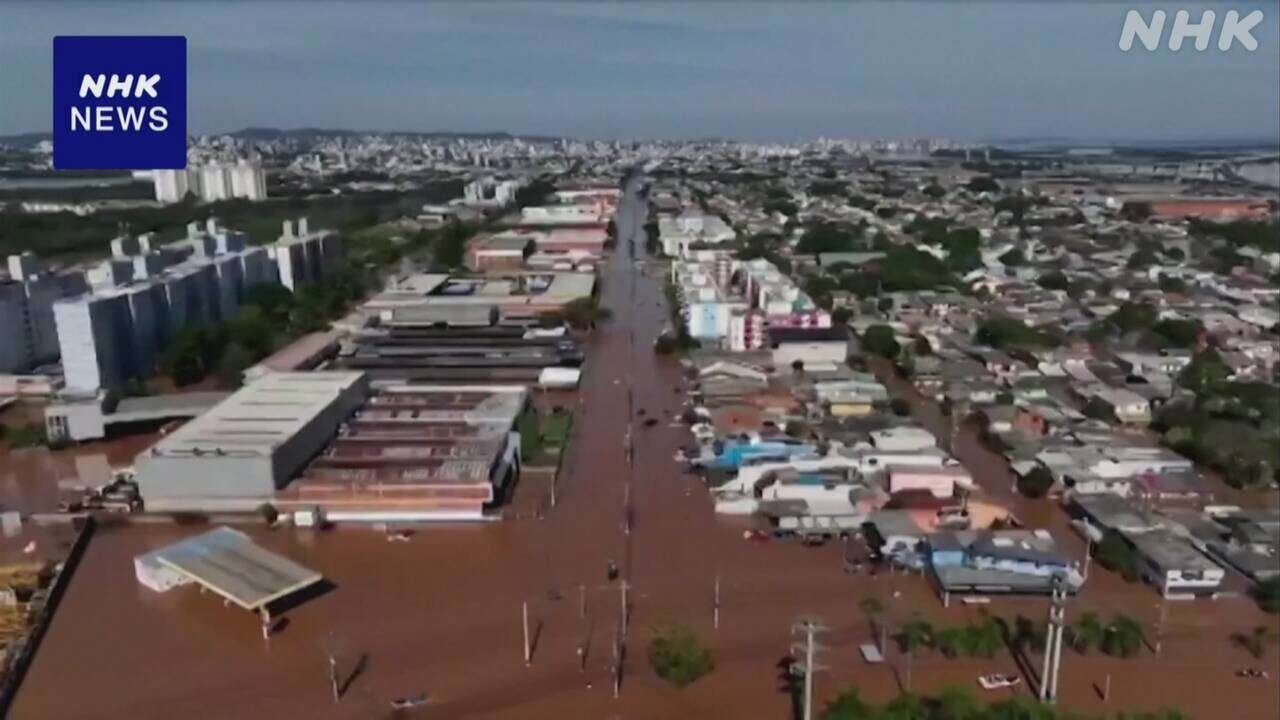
(211, 182)
(119, 330)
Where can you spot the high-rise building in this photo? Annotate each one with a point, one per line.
(95, 333)
(172, 186)
(212, 182)
(215, 183)
(248, 181)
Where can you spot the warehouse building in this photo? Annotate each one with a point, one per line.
(416, 453)
(237, 455)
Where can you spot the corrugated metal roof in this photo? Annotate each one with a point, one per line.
(227, 562)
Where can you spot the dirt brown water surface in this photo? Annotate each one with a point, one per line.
(442, 614)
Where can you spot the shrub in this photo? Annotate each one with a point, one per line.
(269, 513)
(678, 656)
(1256, 642)
(1086, 633)
(1123, 637)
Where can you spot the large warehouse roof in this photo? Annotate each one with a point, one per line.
(227, 562)
(260, 416)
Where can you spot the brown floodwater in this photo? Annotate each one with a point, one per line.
(441, 614)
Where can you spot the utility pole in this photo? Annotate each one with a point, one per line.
(1164, 611)
(625, 611)
(554, 476)
(333, 677)
(582, 602)
(528, 650)
(1053, 642)
(808, 628)
(715, 617)
(617, 662)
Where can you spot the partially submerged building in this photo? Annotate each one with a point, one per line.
(238, 454)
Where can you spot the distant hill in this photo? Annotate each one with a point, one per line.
(263, 133)
(266, 133)
(25, 139)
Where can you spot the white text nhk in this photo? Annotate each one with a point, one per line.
(1234, 29)
(108, 118)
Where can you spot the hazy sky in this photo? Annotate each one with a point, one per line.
(747, 70)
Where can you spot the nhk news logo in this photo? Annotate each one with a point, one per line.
(119, 102)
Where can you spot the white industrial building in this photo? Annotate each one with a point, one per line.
(691, 228)
(235, 456)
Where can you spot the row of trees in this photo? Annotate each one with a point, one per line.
(1006, 333)
(955, 703)
(1231, 426)
(268, 315)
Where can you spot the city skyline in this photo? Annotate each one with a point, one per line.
(990, 71)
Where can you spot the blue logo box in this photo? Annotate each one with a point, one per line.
(119, 102)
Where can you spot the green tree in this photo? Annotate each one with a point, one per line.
(253, 330)
(1003, 332)
(952, 642)
(914, 635)
(1267, 594)
(451, 246)
(826, 237)
(1177, 333)
(1053, 280)
(983, 183)
(231, 366)
(678, 656)
(1205, 373)
(1171, 284)
(584, 313)
(1256, 642)
(1133, 316)
(1115, 553)
(273, 299)
(1086, 633)
(963, 246)
(1013, 258)
(1142, 258)
(985, 638)
(1036, 483)
(848, 705)
(1123, 637)
(881, 340)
